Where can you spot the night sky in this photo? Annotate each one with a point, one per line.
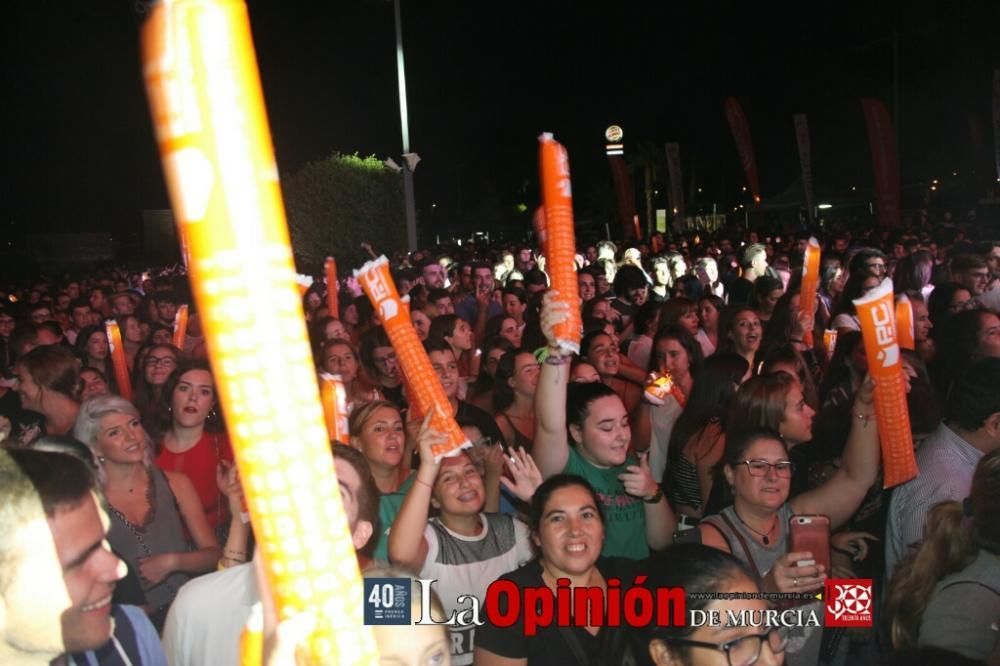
(484, 79)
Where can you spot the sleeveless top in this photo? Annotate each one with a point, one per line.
(162, 532)
(521, 440)
(683, 487)
(804, 642)
(199, 464)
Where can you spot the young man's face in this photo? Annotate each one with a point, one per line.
(59, 600)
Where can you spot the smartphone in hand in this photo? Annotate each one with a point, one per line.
(811, 533)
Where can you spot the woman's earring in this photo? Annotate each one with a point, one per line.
(100, 459)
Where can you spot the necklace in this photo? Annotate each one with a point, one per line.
(763, 535)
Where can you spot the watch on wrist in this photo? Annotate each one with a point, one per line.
(655, 497)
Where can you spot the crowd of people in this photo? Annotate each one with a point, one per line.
(704, 410)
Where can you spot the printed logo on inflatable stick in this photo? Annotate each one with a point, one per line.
(423, 386)
(876, 312)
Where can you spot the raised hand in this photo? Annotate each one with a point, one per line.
(638, 480)
(525, 473)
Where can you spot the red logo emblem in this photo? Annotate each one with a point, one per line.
(848, 602)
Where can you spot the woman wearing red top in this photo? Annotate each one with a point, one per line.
(185, 444)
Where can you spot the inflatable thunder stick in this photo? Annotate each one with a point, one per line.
(538, 222)
(878, 329)
(830, 341)
(180, 327)
(904, 322)
(118, 361)
(334, 407)
(425, 388)
(810, 283)
(557, 198)
(332, 296)
(211, 129)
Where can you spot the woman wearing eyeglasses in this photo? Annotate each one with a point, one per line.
(152, 369)
(754, 528)
(695, 567)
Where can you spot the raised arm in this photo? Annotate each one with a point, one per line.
(551, 447)
(840, 497)
(407, 543)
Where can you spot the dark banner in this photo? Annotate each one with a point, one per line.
(624, 195)
(885, 165)
(741, 133)
(676, 183)
(996, 118)
(805, 160)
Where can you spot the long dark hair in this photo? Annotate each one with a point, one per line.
(685, 340)
(503, 393)
(164, 419)
(710, 397)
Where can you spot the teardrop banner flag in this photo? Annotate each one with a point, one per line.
(676, 184)
(744, 144)
(624, 194)
(805, 160)
(996, 119)
(885, 165)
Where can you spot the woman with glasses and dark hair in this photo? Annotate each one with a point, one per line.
(755, 527)
(381, 365)
(152, 369)
(698, 568)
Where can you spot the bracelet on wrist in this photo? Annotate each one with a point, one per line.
(864, 418)
(655, 497)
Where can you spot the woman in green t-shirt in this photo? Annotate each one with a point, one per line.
(594, 418)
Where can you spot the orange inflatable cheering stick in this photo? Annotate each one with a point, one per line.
(878, 328)
(180, 327)
(332, 297)
(424, 387)
(334, 408)
(557, 197)
(810, 284)
(904, 322)
(211, 128)
(118, 361)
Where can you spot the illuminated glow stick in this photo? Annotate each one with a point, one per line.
(557, 199)
(878, 328)
(211, 128)
(810, 284)
(180, 327)
(332, 304)
(423, 386)
(334, 407)
(118, 360)
(904, 322)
